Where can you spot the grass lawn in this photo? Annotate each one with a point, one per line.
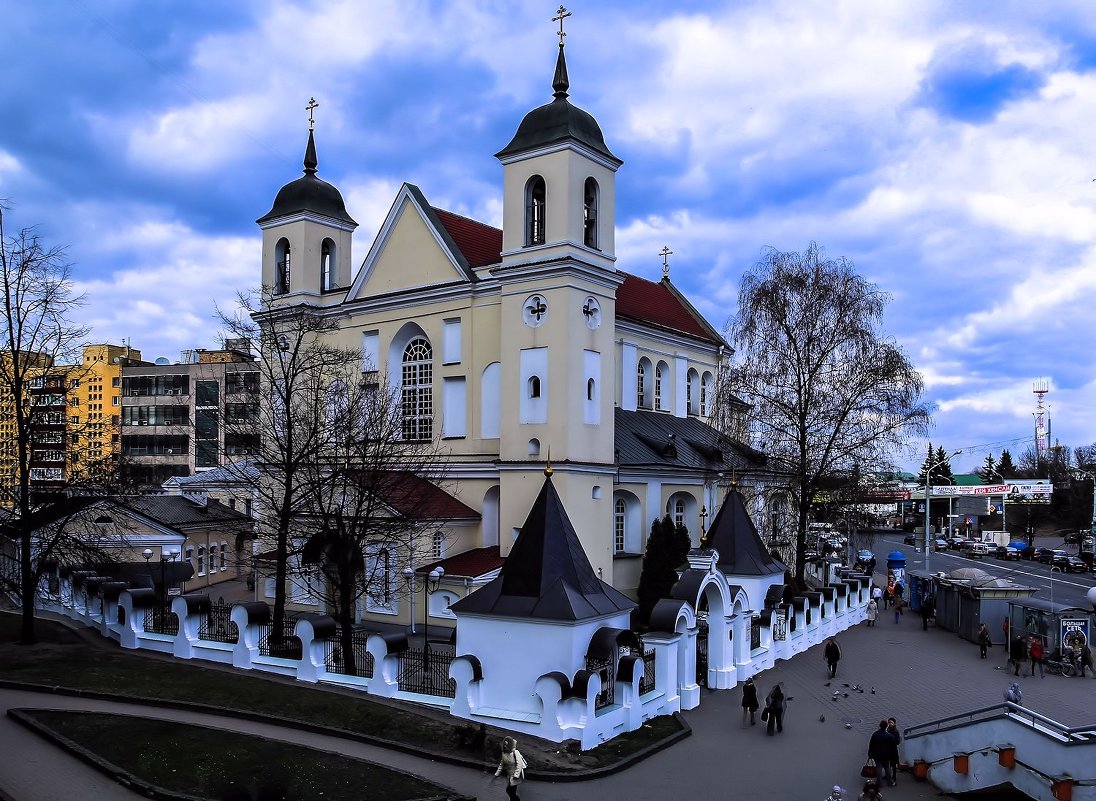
(62, 659)
(224, 765)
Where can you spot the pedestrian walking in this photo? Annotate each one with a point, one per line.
(870, 792)
(775, 705)
(1086, 661)
(888, 595)
(512, 766)
(895, 759)
(1006, 630)
(984, 641)
(1013, 694)
(749, 702)
(872, 612)
(877, 595)
(899, 605)
(1036, 653)
(832, 654)
(928, 611)
(1018, 654)
(879, 750)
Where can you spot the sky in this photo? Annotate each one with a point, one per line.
(945, 148)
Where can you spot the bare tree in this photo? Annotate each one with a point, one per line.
(828, 393)
(39, 346)
(281, 415)
(368, 504)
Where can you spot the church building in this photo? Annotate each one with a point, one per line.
(525, 345)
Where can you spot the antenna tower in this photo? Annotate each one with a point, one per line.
(1042, 419)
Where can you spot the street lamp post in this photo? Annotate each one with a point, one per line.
(171, 554)
(925, 541)
(429, 584)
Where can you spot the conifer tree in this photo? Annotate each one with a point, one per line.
(667, 547)
(988, 471)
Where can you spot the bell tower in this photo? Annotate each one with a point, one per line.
(307, 236)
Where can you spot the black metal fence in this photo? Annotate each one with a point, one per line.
(282, 643)
(755, 632)
(161, 620)
(360, 661)
(426, 670)
(604, 669)
(217, 625)
(647, 683)
(702, 659)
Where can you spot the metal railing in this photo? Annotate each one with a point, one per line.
(217, 625)
(426, 670)
(282, 644)
(647, 683)
(604, 669)
(335, 656)
(161, 620)
(1075, 735)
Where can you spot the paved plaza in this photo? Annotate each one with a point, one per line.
(917, 676)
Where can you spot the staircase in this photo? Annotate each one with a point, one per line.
(1005, 744)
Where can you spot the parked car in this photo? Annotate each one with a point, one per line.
(956, 541)
(1007, 552)
(939, 544)
(910, 539)
(1047, 555)
(1072, 537)
(1067, 563)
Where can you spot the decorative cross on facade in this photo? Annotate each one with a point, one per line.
(536, 307)
(703, 519)
(665, 253)
(560, 16)
(312, 105)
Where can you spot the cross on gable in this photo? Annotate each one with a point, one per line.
(665, 253)
(561, 15)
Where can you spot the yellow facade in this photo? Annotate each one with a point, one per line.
(95, 403)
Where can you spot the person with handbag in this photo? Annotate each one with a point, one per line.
(879, 752)
(749, 702)
(512, 765)
(774, 710)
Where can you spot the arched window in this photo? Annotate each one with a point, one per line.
(643, 383)
(281, 267)
(589, 213)
(679, 512)
(534, 447)
(327, 265)
(590, 389)
(535, 207)
(620, 525)
(661, 377)
(379, 580)
(212, 558)
(692, 392)
(707, 390)
(534, 386)
(417, 394)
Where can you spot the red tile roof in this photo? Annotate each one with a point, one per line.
(416, 497)
(661, 305)
(481, 244)
(470, 564)
(636, 299)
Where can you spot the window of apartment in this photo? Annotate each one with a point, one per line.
(116, 381)
(201, 560)
(224, 556)
(74, 383)
(437, 545)
(212, 558)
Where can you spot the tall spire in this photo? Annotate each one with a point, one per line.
(560, 82)
(310, 160)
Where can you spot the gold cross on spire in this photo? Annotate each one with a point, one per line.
(312, 105)
(560, 16)
(665, 253)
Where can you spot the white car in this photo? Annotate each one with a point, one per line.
(978, 550)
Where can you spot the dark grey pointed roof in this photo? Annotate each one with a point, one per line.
(733, 534)
(309, 193)
(558, 121)
(547, 574)
(655, 439)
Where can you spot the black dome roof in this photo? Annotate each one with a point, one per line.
(558, 121)
(309, 193)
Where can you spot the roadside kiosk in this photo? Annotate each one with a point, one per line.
(969, 596)
(1056, 624)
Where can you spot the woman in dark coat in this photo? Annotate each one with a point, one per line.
(749, 702)
(774, 709)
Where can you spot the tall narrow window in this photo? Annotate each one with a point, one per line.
(535, 207)
(642, 388)
(534, 386)
(619, 525)
(417, 390)
(589, 213)
(281, 267)
(679, 512)
(327, 265)
(658, 387)
(437, 545)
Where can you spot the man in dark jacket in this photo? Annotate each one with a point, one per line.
(832, 653)
(928, 611)
(880, 747)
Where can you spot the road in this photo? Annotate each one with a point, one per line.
(1062, 588)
